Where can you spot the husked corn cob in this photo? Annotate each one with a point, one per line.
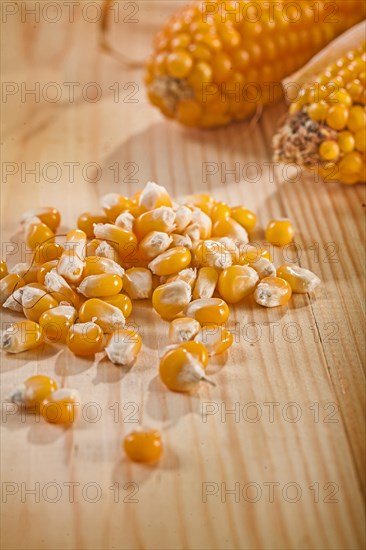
(326, 126)
(214, 62)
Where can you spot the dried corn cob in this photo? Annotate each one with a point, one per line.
(216, 62)
(326, 127)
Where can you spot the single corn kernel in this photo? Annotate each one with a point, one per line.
(246, 218)
(61, 406)
(36, 301)
(181, 240)
(33, 391)
(105, 284)
(195, 348)
(153, 196)
(280, 232)
(21, 336)
(96, 265)
(171, 261)
(300, 279)
(123, 346)
(114, 204)
(183, 217)
(154, 243)
(181, 371)
(337, 117)
(60, 289)
(86, 222)
(14, 302)
(250, 254)
(85, 338)
(272, 292)
(183, 329)
(219, 211)
(160, 219)
(76, 242)
(47, 252)
(187, 275)
(57, 321)
(329, 150)
(170, 299)
(3, 269)
(143, 446)
(137, 283)
(37, 233)
(47, 214)
(121, 301)
(71, 266)
(104, 314)
(105, 250)
(28, 272)
(357, 119)
(44, 269)
(205, 283)
(212, 253)
(208, 311)
(215, 338)
(125, 221)
(263, 267)
(228, 227)
(236, 282)
(124, 242)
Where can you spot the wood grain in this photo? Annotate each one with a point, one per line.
(305, 360)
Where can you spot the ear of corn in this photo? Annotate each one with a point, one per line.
(326, 127)
(215, 62)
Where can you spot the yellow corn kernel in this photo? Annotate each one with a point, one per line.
(60, 289)
(203, 201)
(44, 269)
(105, 284)
(61, 406)
(272, 292)
(97, 265)
(181, 240)
(154, 243)
(188, 275)
(47, 214)
(208, 311)
(121, 301)
(211, 253)
(137, 283)
(86, 222)
(215, 338)
(36, 301)
(280, 232)
(14, 302)
(228, 227)
(249, 254)
(71, 266)
(263, 267)
(143, 446)
(300, 279)
(36, 233)
(236, 282)
(181, 371)
(246, 218)
(183, 329)
(114, 204)
(160, 219)
(125, 221)
(171, 261)
(170, 299)
(357, 119)
(33, 391)
(195, 348)
(85, 338)
(205, 283)
(123, 346)
(124, 242)
(28, 272)
(104, 314)
(153, 196)
(219, 211)
(183, 217)
(3, 269)
(47, 252)
(76, 243)
(57, 321)
(21, 336)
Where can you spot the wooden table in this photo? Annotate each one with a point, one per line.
(273, 456)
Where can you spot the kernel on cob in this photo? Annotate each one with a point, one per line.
(216, 61)
(326, 126)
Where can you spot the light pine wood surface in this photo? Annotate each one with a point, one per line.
(286, 471)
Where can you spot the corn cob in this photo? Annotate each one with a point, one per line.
(216, 62)
(326, 127)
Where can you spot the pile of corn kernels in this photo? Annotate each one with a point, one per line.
(191, 259)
